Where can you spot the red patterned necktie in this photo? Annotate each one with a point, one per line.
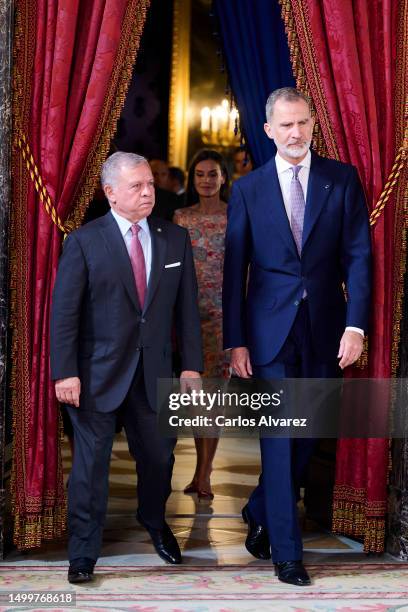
(138, 263)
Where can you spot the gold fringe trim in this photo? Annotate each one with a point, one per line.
(362, 361)
(302, 84)
(354, 516)
(353, 519)
(401, 196)
(23, 56)
(30, 531)
(400, 242)
(132, 29)
(296, 23)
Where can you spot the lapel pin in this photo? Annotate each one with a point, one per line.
(326, 186)
(159, 229)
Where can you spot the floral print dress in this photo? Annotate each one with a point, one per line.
(207, 232)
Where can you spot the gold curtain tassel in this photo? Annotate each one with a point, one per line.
(39, 184)
(395, 173)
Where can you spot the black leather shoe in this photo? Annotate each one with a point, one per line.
(80, 575)
(81, 570)
(257, 540)
(292, 572)
(164, 542)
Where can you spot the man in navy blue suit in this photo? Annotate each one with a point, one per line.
(297, 230)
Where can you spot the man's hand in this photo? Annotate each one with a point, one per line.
(68, 390)
(351, 347)
(240, 362)
(190, 381)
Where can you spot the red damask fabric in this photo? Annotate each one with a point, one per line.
(73, 63)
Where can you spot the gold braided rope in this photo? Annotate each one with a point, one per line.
(38, 182)
(397, 168)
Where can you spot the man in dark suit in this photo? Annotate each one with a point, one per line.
(122, 280)
(299, 224)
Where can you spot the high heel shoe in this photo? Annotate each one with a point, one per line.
(204, 495)
(191, 488)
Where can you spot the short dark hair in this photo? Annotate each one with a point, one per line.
(177, 174)
(203, 155)
(290, 94)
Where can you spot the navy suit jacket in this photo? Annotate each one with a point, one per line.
(98, 329)
(259, 311)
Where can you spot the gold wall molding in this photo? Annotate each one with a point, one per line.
(180, 84)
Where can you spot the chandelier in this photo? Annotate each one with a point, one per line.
(219, 126)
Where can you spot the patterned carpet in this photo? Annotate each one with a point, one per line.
(218, 574)
(340, 588)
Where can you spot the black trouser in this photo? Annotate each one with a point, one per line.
(89, 479)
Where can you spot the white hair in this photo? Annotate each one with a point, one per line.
(115, 162)
(289, 94)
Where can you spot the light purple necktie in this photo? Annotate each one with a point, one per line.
(297, 208)
(138, 263)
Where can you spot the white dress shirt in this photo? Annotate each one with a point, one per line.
(144, 237)
(285, 175)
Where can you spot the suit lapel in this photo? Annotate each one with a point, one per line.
(159, 248)
(270, 191)
(319, 188)
(119, 256)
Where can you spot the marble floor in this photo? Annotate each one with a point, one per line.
(209, 533)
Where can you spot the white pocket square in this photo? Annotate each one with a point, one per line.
(173, 265)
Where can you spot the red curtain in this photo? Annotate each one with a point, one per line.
(73, 62)
(345, 55)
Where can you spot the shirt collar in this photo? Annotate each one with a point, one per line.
(125, 224)
(282, 165)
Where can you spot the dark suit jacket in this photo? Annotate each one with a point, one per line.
(97, 327)
(336, 249)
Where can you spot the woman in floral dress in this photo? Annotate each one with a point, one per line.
(206, 221)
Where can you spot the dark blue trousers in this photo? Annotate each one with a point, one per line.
(273, 503)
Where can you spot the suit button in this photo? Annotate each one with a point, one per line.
(296, 303)
(143, 320)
